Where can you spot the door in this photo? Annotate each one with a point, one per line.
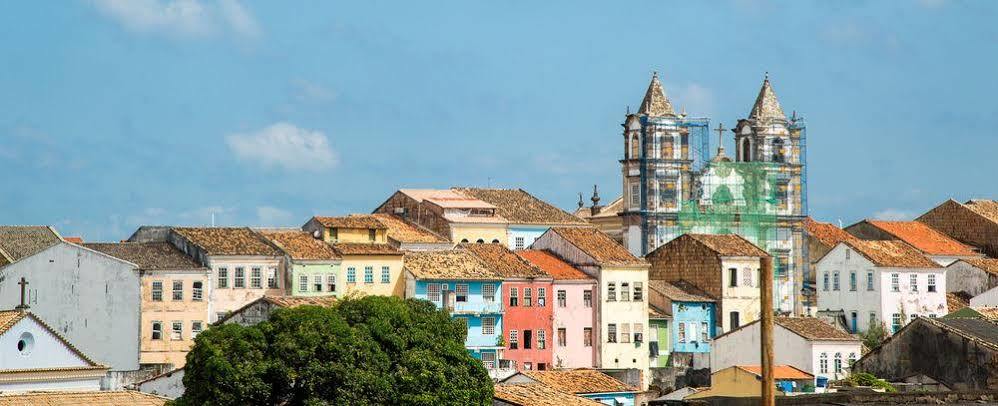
(855, 322)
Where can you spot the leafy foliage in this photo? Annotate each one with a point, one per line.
(366, 351)
(874, 335)
(867, 379)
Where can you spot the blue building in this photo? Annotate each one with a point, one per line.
(694, 315)
(459, 282)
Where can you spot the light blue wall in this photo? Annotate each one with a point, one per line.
(610, 398)
(529, 234)
(471, 311)
(692, 313)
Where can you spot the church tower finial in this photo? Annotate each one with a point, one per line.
(581, 203)
(655, 103)
(767, 106)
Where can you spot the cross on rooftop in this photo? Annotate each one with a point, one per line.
(24, 284)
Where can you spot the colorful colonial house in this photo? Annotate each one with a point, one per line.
(527, 216)
(692, 312)
(470, 290)
(370, 265)
(573, 307)
(313, 265)
(408, 236)
(528, 308)
(621, 279)
(587, 383)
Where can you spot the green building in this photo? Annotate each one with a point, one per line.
(312, 265)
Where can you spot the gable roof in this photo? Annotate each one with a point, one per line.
(518, 206)
(504, 262)
(367, 221)
(552, 265)
(922, 237)
(610, 210)
(779, 371)
(679, 291)
(579, 381)
(538, 394)
(227, 241)
(827, 233)
(18, 242)
(9, 318)
(984, 207)
(280, 301)
(598, 245)
(404, 232)
(448, 264)
(989, 265)
(729, 245)
(147, 255)
(813, 328)
(891, 254)
(957, 300)
(90, 398)
(364, 248)
(446, 198)
(981, 330)
(300, 245)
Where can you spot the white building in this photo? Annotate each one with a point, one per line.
(806, 343)
(988, 298)
(973, 276)
(34, 357)
(886, 282)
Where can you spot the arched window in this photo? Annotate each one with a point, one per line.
(667, 149)
(635, 147)
(746, 150)
(480, 241)
(778, 151)
(464, 241)
(823, 363)
(838, 362)
(495, 241)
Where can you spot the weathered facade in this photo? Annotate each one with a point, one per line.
(973, 276)
(933, 244)
(370, 265)
(974, 223)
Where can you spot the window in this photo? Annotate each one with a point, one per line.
(272, 278)
(848, 253)
(368, 274)
(461, 292)
(519, 243)
(542, 299)
(488, 325)
(639, 291)
(528, 339)
(625, 291)
(778, 152)
(835, 281)
(823, 363)
(562, 339)
(734, 320)
(873, 318)
(667, 193)
(223, 277)
(317, 282)
(932, 315)
(869, 281)
(895, 322)
(682, 332)
(931, 287)
(639, 332)
(528, 365)
(852, 281)
(527, 297)
(611, 292)
(895, 282)
(178, 290)
(913, 317)
(562, 299)
(782, 192)
(489, 360)
(747, 276)
(587, 336)
(303, 283)
(197, 291)
(838, 362)
(177, 332)
(488, 292)
(733, 277)
(372, 234)
(330, 283)
(913, 280)
(386, 274)
(852, 359)
(256, 277)
(704, 332)
(541, 339)
(587, 298)
(157, 291)
(196, 328)
(514, 340)
(824, 278)
(611, 333)
(221, 315)
(352, 275)
(513, 299)
(157, 330)
(240, 278)
(480, 241)
(635, 194)
(625, 333)
(433, 292)
(782, 262)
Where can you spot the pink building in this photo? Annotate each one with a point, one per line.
(573, 308)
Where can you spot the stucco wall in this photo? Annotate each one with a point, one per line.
(472, 310)
(474, 232)
(961, 276)
(528, 233)
(169, 385)
(166, 350)
(624, 355)
(575, 317)
(535, 318)
(395, 286)
(693, 316)
(321, 270)
(743, 298)
(224, 300)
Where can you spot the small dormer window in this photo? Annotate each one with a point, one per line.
(372, 234)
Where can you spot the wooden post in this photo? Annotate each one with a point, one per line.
(766, 328)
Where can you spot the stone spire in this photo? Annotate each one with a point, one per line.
(655, 103)
(767, 107)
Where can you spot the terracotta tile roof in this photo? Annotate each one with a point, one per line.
(989, 265)
(552, 265)
(655, 313)
(363, 248)
(89, 398)
(8, 318)
(957, 300)
(537, 394)
(518, 206)
(729, 245)
(923, 237)
(446, 198)
(456, 264)
(405, 232)
(74, 240)
(598, 245)
(352, 221)
(17, 242)
(504, 262)
(610, 210)
(579, 381)
(679, 291)
(813, 328)
(990, 313)
(295, 301)
(893, 254)
(779, 371)
(300, 245)
(227, 241)
(827, 233)
(985, 208)
(147, 255)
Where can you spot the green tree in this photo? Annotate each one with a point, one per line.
(361, 351)
(874, 335)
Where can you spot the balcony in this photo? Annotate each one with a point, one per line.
(503, 370)
(474, 307)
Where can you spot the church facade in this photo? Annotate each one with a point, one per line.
(672, 185)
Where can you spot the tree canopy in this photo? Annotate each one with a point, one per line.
(361, 351)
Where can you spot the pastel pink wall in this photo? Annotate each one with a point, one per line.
(574, 317)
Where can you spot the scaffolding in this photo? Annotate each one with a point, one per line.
(698, 129)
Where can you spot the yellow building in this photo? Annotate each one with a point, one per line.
(370, 265)
(745, 381)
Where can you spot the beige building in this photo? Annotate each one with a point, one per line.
(174, 292)
(370, 265)
(606, 218)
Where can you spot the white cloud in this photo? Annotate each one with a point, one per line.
(284, 145)
(697, 99)
(269, 216)
(894, 214)
(182, 18)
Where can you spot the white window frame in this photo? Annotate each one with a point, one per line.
(223, 277)
(157, 291)
(386, 274)
(256, 277)
(368, 275)
(433, 292)
(197, 292)
(157, 328)
(562, 298)
(488, 292)
(488, 325)
(197, 326)
(519, 243)
(303, 283)
(931, 285)
(176, 334)
(461, 289)
(331, 283)
(177, 295)
(542, 340)
(239, 278)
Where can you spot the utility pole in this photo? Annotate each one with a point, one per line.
(766, 328)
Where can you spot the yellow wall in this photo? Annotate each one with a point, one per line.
(395, 287)
(473, 233)
(356, 235)
(732, 382)
(167, 350)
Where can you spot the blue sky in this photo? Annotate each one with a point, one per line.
(117, 113)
